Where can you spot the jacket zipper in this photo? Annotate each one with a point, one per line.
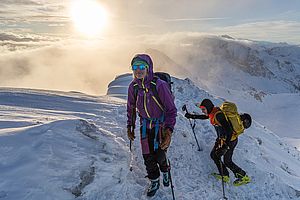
(145, 98)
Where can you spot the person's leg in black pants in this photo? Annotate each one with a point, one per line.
(162, 160)
(216, 155)
(151, 166)
(156, 159)
(228, 160)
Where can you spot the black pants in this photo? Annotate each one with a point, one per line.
(216, 155)
(155, 160)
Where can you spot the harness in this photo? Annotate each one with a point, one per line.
(157, 122)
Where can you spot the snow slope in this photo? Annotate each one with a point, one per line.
(59, 145)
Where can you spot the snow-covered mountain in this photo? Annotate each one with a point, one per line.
(60, 145)
(119, 86)
(236, 64)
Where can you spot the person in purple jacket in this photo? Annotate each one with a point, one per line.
(157, 121)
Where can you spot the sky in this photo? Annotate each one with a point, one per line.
(270, 20)
(68, 44)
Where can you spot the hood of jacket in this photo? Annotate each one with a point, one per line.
(146, 58)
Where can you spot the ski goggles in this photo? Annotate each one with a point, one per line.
(139, 65)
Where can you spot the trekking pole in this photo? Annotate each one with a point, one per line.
(133, 118)
(131, 156)
(223, 185)
(169, 172)
(130, 145)
(193, 127)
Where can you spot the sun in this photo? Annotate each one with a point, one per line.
(88, 16)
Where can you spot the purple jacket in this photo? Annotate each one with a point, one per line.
(145, 104)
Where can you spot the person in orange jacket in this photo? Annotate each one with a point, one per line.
(224, 145)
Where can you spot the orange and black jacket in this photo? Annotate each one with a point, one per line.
(219, 121)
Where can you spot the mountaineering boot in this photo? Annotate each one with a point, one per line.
(166, 179)
(226, 179)
(241, 180)
(153, 187)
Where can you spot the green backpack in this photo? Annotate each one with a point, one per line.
(230, 111)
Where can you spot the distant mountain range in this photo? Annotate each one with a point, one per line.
(236, 64)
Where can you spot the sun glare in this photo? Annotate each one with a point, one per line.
(89, 17)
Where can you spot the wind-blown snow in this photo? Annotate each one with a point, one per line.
(56, 145)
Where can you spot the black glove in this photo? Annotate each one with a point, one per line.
(130, 133)
(189, 116)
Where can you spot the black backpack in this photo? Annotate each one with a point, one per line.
(165, 77)
(157, 75)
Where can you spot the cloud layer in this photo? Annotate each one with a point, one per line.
(77, 65)
(89, 66)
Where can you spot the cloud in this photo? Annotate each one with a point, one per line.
(24, 12)
(69, 64)
(139, 17)
(34, 61)
(56, 25)
(196, 19)
(20, 2)
(89, 66)
(14, 42)
(66, 65)
(278, 31)
(21, 38)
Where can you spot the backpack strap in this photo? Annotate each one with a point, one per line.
(155, 93)
(135, 92)
(212, 116)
